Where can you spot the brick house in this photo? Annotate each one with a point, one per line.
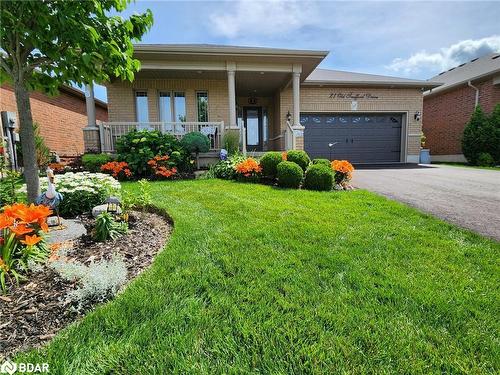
(61, 118)
(276, 99)
(448, 108)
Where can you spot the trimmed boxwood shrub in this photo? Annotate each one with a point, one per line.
(485, 160)
(298, 157)
(93, 162)
(289, 174)
(319, 177)
(269, 163)
(325, 162)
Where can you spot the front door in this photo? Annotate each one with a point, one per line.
(252, 116)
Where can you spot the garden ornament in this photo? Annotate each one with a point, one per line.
(223, 154)
(51, 198)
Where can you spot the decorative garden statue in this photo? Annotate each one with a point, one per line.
(51, 198)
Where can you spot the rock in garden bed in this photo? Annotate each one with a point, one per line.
(33, 312)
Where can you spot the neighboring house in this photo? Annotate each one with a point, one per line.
(448, 108)
(61, 118)
(276, 98)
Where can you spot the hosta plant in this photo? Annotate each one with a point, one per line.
(106, 228)
(21, 240)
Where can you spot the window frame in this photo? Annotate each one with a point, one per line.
(197, 105)
(136, 91)
(173, 114)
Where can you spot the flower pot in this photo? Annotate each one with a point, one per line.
(425, 156)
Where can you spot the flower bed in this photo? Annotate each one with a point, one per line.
(33, 312)
(82, 191)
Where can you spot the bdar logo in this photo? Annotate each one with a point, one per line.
(8, 367)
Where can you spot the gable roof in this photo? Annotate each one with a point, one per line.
(338, 78)
(478, 68)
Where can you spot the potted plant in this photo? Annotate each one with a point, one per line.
(425, 156)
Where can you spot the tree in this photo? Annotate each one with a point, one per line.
(477, 136)
(494, 120)
(45, 44)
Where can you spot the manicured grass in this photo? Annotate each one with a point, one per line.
(261, 280)
(465, 165)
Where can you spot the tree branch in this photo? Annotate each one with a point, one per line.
(6, 66)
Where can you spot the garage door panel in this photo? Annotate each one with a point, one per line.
(360, 138)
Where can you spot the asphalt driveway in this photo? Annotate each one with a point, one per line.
(467, 197)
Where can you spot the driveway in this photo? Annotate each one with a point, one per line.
(467, 197)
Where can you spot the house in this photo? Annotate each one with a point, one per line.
(277, 99)
(448, 108)
(61, 118)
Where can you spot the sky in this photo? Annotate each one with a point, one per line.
(406, 39)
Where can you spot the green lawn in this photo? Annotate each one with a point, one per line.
(261, 280)
(465, 165)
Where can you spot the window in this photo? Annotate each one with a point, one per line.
(180, 107)
(172, 110)
(141, 106)
(202, 105)
(165, 107)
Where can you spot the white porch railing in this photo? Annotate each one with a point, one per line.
(109, 132)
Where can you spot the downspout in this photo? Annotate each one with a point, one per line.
(477, 93)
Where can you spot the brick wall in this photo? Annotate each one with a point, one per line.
(446, 114)
(317, 99)
(61, 118)
(121, 100)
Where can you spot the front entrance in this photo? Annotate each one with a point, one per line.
(252, 117)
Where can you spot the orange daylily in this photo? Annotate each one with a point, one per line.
(31, 240)
(5, 221)
(32, 213)
(13, 210)
(43, 225)
(20, 229)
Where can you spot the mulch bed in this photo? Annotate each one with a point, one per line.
(33, 312)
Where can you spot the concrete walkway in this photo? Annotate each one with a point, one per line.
(467, 197)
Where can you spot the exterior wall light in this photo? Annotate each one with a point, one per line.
(288, 116)
(417, 116)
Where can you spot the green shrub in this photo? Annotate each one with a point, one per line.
(196, 142)
(93, 162)
(479, 137)
(225, 168)
(325, 162)
(269, 163)
(231, 141)
(138, 147)
(289, 174)
(494, 120)
(319, 177)
(299, 157)
(485, 160)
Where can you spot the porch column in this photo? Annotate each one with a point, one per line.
(296, 98)
(231, 88)
(90, 104)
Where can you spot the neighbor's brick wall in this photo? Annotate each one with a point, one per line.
(121, 100)
(317, 99)
(446, 114)
(61, 118)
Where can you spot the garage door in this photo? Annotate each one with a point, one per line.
(359, 138)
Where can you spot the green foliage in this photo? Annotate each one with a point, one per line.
(298, 157)
(93, 162)
(196, 142)
(480, 136)
(269, 163)
(289, 174)
(485, 160)
(319, 177)
(93, 43)
(42, 151)
(224, 169)
(322, 162)
(138, 147)
(231, 141)
(106, 228)
(494, 120)
(8, 186)
(144, 199)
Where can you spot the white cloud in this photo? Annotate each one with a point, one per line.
(266, 18)
(447, 57)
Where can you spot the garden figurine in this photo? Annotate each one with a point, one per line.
(51, 198)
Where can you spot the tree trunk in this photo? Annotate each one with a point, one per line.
(27, 135)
